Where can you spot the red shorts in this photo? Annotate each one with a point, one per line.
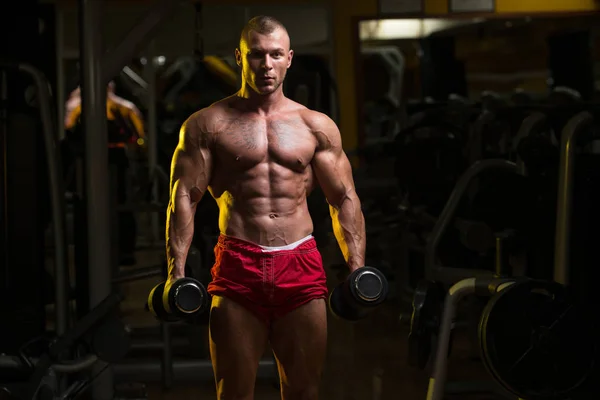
(268, 283)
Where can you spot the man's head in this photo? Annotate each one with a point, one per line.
(264, 54)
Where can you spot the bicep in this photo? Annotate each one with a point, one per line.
(334, 174)
(192, 160)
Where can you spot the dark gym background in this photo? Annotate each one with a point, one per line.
(420, 95)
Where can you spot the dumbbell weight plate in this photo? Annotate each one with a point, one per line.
(536, 342)
(155, 304)
(368, 286)
(186, 296)
(340, 307)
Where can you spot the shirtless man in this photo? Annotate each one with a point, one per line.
(259, 154)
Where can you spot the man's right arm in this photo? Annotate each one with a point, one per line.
(190, 177)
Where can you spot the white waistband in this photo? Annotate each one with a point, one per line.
(290, 246)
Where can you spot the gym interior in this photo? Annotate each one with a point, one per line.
(471, 128)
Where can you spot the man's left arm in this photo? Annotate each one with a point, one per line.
(334, 174)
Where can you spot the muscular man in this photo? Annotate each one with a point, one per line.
(259, 154)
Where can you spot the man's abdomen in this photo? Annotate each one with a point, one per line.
(266, 226)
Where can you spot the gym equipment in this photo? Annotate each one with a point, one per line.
(425, 320)
(492, 133)
(181, 299)
(579, 123)
(535, 341)
(492, 101)
(427, 306)
(535, 142)
(385, 65)
(520, 97)
(429, 155)
(55, 186)
(363, 290)
(37, 378)
(450, 275)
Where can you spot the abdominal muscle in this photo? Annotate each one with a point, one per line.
(266, 205)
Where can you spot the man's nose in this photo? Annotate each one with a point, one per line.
(267, 62)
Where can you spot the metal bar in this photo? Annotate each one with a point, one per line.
(189, 370)
(3, 199)
(562, 246)
(96, 154)
(437, 382)
(500, 259)
(115, 59)
(77, 366)
(60, 72)
(167, 356)
(152, 142)
(138, 274)
(452, 204)
(65, 342)
(150, 344)
(93, 98)
(131, 74)
(483, 287)
(531, 123)
(61, 279)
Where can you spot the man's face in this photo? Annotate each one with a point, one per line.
(264, 60)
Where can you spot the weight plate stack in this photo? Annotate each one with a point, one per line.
(536, 342)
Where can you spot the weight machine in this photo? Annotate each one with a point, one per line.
(525, 321)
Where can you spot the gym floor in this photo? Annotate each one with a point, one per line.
(357, 353)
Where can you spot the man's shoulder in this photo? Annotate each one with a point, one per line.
(207, 121)
(317, 121)
(212, 113)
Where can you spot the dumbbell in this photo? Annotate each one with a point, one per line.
(363, 290)
(180, 300)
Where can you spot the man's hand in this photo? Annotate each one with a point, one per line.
(353, 268)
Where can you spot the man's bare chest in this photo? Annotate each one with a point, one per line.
(246, 142)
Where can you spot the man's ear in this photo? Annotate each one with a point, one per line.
(290, 56)
(238, 57)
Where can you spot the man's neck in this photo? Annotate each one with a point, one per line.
(263, 104)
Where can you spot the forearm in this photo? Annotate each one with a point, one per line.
(349, 230)
(179, 233)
